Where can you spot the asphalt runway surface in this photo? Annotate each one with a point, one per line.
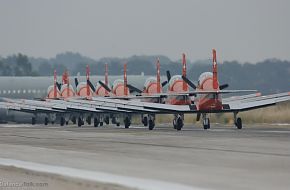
(223, 157)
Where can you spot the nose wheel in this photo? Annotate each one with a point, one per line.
(178, 122)
(205, 122)
(238, 121)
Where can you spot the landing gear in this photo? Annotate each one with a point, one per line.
(178, 121)
(107, 120)
(74, 120)
(238, 121)
(145, 121)
(96, 122)
(62, 121)
(127, 122)
(33, 120)
(80, 122)
(46, 121)
(206, 122)
(89, 120)
(151, 122)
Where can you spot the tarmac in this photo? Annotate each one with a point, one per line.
(223, 157)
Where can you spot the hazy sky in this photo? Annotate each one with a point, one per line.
(244, 30)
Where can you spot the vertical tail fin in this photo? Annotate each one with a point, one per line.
(106, 77)
(184, 85)
(214, 69)
(158, 76)
(54, 85)
(88, 78)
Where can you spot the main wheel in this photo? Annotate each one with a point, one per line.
(107, 120)
(45, 121)
(174, 123)
(96, 122)
(118, 124)
(127, 122)
(80, 122)
(101, 123)
(74, 120)
(151, 124)
(145, 121)
(62, 121)
(179, 124)
(239, 123)
(206, 123)
(89, 120)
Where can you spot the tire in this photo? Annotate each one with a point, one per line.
(151, 125)
(80, 122)
(101, 124)
(45, 121)
(118, 124)
(33, 121)
(62, 121)
(179, 124)
(74, 120)
(89, 120)
(145, 121)
(96, 122)
(239, 123)
(174, 124)
(208, 124)
(127, 122)
(107, 120)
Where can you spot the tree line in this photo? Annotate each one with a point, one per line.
(269, 76)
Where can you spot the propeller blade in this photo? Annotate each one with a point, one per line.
(191, 84)
(76, 82)
(91, 86)
(164, 83)
(58, 85)
(223, 86)
(133, 88)
(168, 76)
(105, 86)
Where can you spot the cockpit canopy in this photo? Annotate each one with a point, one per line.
(117, 82)
(204, 76)
(174, 78)
(149, 81)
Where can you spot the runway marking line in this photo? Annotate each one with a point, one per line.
(96, 176)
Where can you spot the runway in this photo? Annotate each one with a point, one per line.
(256, 157)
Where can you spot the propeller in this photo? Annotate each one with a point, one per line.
(168, 76)
(76, 82)
(164, 83)
(91, 86)
(191, 84)
(223, 86)
(133, 88)
(105, 86)
(58, 85)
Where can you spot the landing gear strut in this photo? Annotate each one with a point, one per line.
(238, 121)
(127, 122)
(151, 122)
(206, 122)
(178, 121)
(46, 121)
